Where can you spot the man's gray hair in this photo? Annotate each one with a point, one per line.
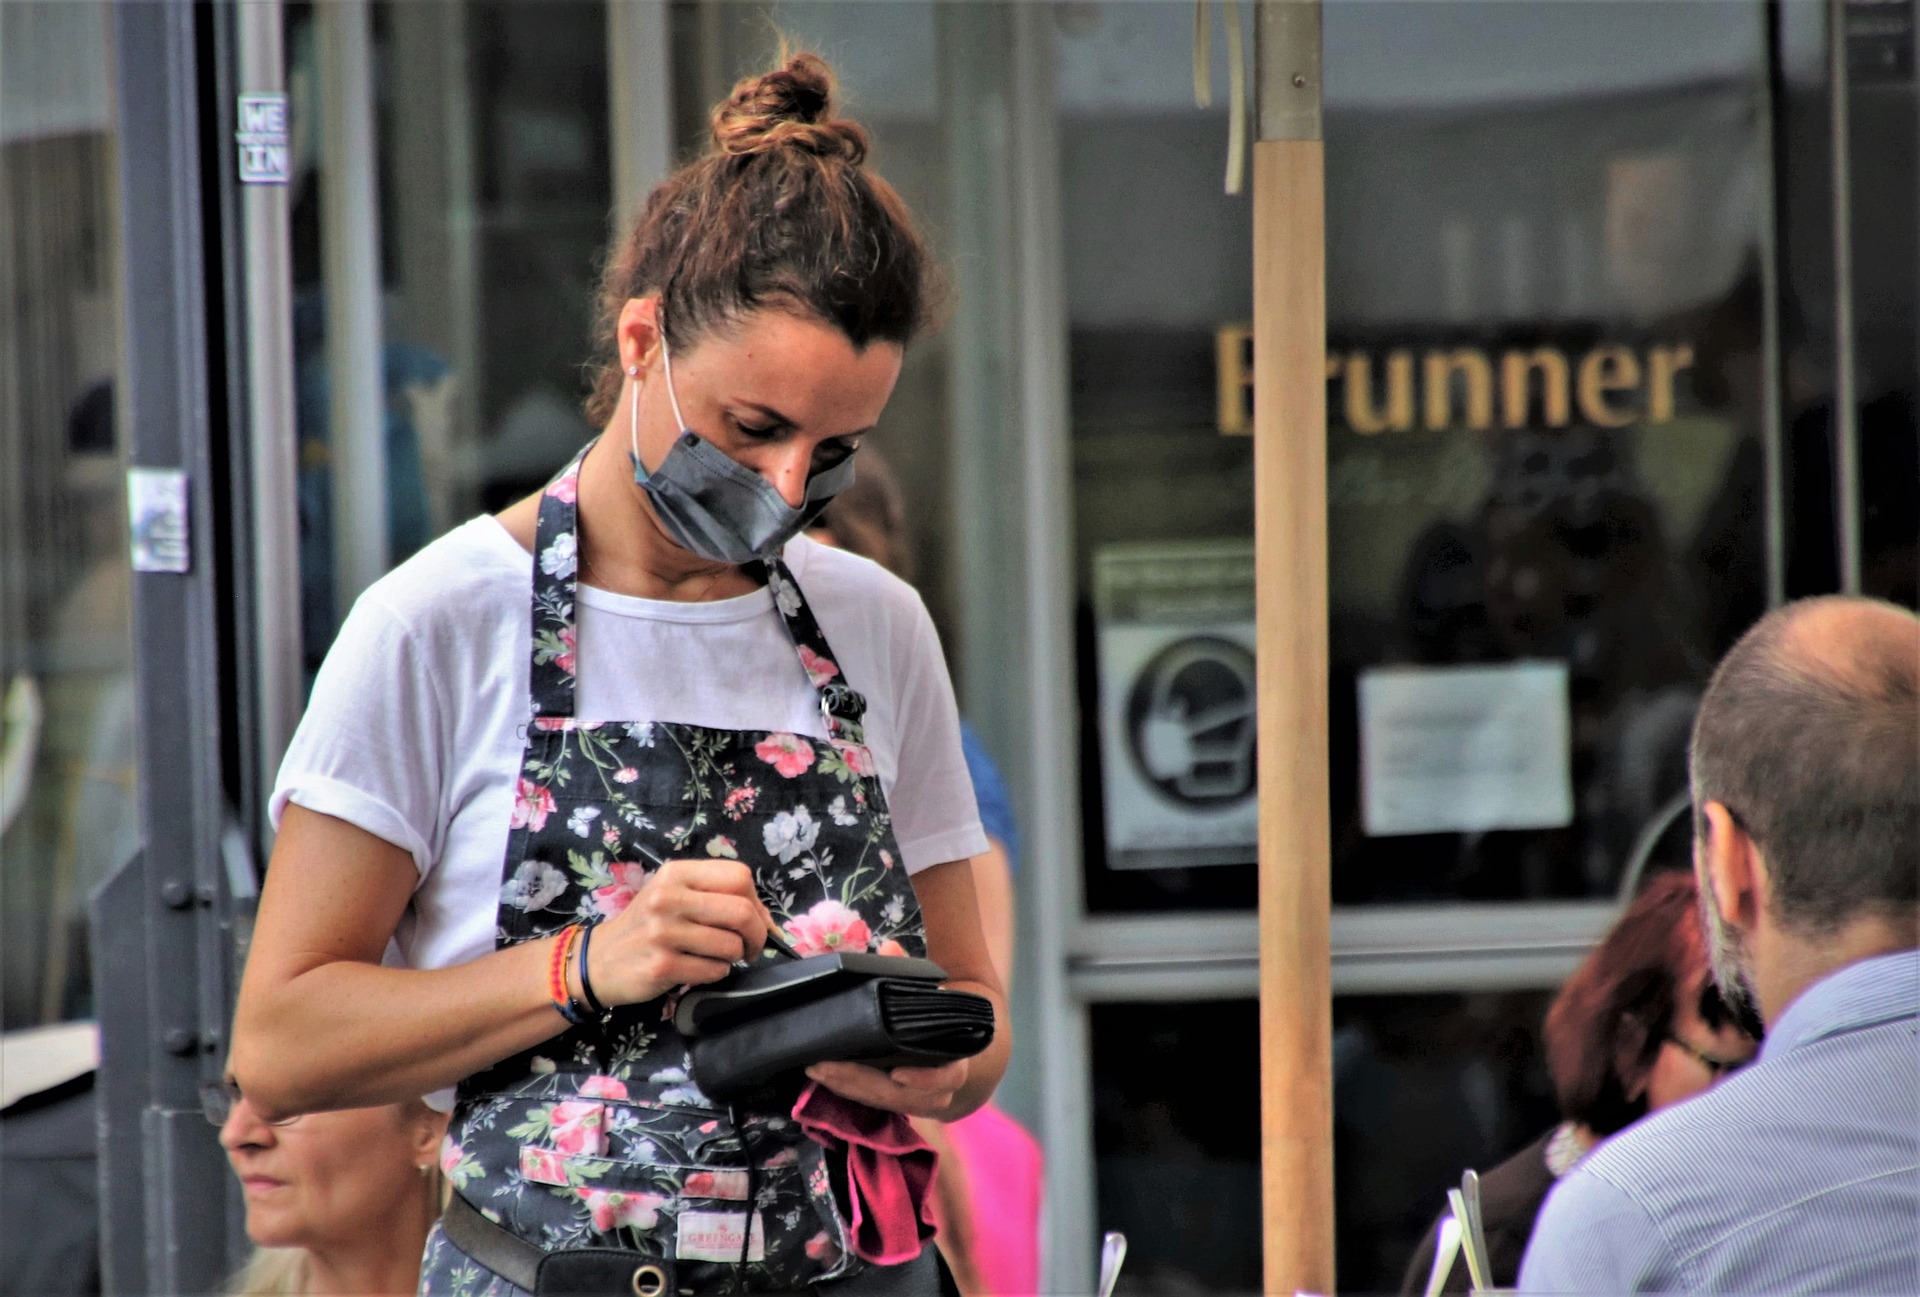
(1817, 757)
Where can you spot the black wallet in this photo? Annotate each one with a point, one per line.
(772, 1018)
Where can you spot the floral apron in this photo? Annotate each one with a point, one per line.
(599, 1137)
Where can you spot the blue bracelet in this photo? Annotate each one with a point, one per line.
(594, 1006)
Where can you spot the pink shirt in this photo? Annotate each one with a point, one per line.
(1004, 1172)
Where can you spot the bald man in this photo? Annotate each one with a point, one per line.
(1801, 1173)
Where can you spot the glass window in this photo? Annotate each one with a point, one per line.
(1424, 1087)
(1545, 409)
(1176, 1135)
(1545, 439)
(69, 813)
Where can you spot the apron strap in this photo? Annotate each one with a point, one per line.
(554, 644)
(841, 706)
(556, 559)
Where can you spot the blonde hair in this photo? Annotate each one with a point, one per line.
(273, 1272)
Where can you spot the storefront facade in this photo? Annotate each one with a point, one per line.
(1594, 402)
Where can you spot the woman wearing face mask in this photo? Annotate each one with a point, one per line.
(337, 1202)
(580, 755)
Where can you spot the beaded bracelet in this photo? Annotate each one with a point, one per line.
(594, 1006)
(557, 977)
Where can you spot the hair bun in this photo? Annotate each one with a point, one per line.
(789, 107)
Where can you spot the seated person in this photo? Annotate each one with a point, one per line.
(1802, 1173)
(337, 1202)
(1638, 1026)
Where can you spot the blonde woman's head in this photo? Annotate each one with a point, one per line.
(331, 1183)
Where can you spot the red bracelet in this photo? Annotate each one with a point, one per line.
(557, 975)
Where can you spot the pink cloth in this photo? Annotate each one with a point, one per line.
(889, 1172)
(1005, 1174)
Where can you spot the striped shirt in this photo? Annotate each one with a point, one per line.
(1800, 1173)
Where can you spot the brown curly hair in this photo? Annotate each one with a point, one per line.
(781, 211)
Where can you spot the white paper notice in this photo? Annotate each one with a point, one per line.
(1464, 749)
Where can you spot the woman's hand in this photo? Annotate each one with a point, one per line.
(915, 1091)
(687, 925)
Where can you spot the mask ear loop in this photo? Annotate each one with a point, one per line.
(633, 417)
(666, 360)
(633, 403)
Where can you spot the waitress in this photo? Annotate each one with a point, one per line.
(572, 758)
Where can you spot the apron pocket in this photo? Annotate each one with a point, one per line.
(689, 1213)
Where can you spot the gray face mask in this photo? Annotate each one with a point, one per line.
(720, 509)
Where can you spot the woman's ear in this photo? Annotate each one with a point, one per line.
(638, 333)
(428, 1129)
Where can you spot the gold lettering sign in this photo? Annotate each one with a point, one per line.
(1611, 385)
(1233, 367)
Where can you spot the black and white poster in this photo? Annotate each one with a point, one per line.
(1177, 723)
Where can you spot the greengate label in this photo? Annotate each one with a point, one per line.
(719, 1236)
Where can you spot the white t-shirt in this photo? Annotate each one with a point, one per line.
(417, 721)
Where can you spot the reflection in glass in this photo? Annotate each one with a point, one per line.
(1545, 420)
(1157, 259)
(495, 190)
(68, 790)
(1545, 414)
(1424, 1087)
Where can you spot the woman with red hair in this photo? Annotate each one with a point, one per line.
(1639, 1026)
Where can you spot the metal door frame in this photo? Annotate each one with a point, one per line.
(164, 983)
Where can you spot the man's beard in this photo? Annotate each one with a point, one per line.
(1727, 959)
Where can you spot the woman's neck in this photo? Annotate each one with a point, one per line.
(623, 547)
(390, 1266)
(384, 1260)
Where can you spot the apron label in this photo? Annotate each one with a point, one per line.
(719, 1236)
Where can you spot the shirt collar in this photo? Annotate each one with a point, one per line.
(1872, 991)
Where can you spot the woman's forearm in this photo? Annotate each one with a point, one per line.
(985, 1069)
(349, 1034)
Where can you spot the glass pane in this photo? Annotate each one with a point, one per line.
(68, 787)
(1177, 1142)
(1158, 258)
(1424, 1087)
(1885, 143)
(494, 192)
(1545, 462)
(1545, 459)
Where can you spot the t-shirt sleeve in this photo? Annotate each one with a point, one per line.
(1593, 1237)
(990, 791)
(935, 817)
(369, 748)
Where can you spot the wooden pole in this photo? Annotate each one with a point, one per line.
(1290, 541)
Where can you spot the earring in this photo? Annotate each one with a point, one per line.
(633, 371)
(425, 1169)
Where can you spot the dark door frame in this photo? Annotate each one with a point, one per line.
(163, 948)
